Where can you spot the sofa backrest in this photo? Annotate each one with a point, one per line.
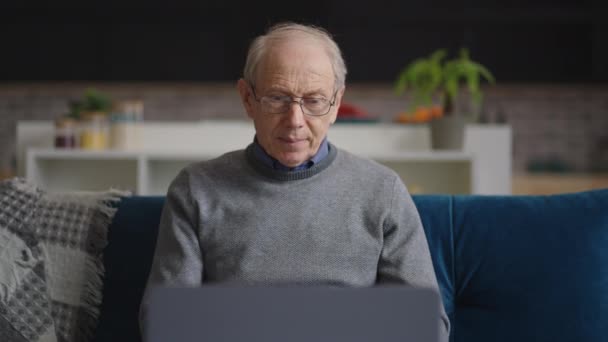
(521, 268)
(509, 267)
(127, 261)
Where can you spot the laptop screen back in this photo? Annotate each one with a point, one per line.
(292, 314)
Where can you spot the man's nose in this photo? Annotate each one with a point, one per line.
(294, 114)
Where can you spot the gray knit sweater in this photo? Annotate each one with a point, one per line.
(346, 221)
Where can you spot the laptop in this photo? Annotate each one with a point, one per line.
(292, 314)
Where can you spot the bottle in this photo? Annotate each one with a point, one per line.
(65, 133)
(95, 131)
(126, 125)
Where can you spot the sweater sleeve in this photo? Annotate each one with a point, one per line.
(405, 256)
(178, 258)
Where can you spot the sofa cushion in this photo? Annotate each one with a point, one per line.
(436, 215)
(531, 268)
(127, 260)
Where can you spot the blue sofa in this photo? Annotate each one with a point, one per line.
(510, 268)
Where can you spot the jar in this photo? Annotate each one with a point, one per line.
(94, 131)
(126, 125)
(65, 133)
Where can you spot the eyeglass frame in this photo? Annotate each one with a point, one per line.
(293, 99)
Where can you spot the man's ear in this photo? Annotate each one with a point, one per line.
(246, 96)
(339, 95)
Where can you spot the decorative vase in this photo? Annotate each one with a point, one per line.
(447, 132)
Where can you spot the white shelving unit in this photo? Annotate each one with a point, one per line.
(149, 173)
(483, 167)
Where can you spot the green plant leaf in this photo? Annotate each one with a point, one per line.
(422, 77)
(425, 77)
(96, 101)
(92, 101)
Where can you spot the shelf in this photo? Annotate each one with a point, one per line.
(482, 167)
(150, 173)
(57, 153)
(73, 174)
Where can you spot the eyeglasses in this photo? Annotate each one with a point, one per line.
(279, 104)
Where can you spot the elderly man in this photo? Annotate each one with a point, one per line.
(291, 207)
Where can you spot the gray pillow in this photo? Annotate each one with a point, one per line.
(65, 235)
(25, 308)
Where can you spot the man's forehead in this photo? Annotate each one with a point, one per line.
(297, 56)
(297, 45)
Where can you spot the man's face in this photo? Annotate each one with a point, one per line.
(298, 68)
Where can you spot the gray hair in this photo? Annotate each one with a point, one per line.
(286, 31)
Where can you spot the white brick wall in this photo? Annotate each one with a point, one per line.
(567, 124)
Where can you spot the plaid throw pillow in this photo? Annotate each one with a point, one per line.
(65, 235)
(25, 308)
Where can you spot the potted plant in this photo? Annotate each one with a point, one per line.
(92, 113)
(434, 77)
(93, 101)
